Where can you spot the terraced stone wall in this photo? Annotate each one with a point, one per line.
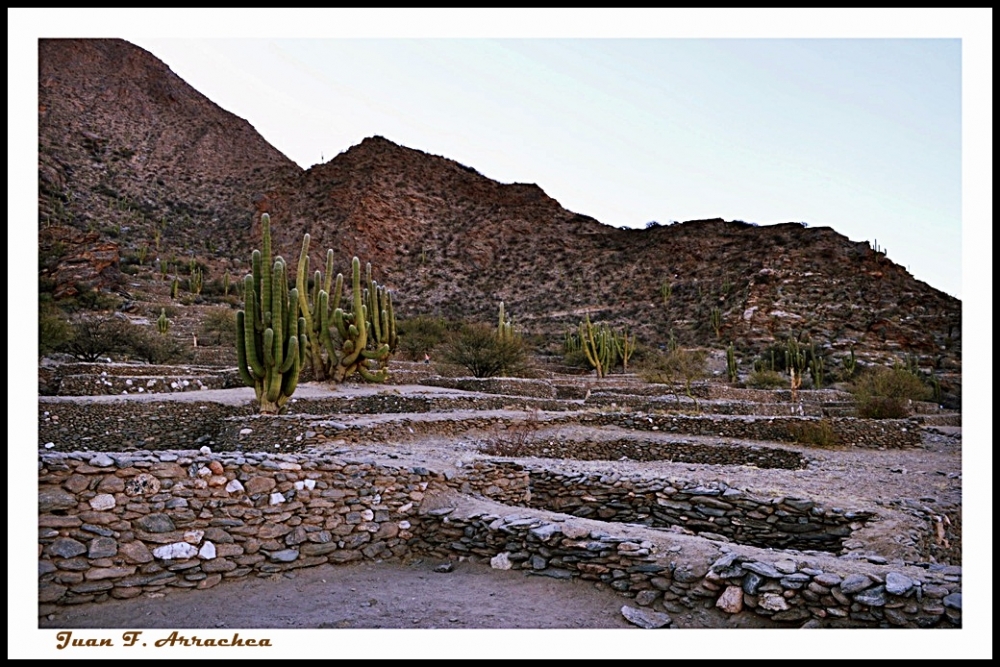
(685, 506)
(119, 526)
(122, 525)
(795, 592)
(863, 433)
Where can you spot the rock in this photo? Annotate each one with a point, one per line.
(752, 582)
(763, 569)
(256, 485)
(874, 597)
(142, 484)
(102, 547)
(953, 601)
(854, 583)
(135, 552)
(234, 486)
(206, 450)
(898, 584)
(66, 547)
(102, 502)
(284, 556)
(53, 498)
(216, 468)
(773, 602)
(498, 562)
(154, 523)
(646, 619)
(102, 460)
(445, 567)
(646, 598)
(731, 600)
(175, 551)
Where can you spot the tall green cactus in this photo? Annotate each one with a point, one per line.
(162, 323)
(505, 327)
(625, 346)
(731, 368)
(599, 346)
(343, 343)
(271, 339)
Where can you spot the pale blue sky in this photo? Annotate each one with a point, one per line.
(860, 135)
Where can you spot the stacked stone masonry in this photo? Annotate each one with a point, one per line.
(121, 525)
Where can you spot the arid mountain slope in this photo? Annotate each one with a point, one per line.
(134, 156)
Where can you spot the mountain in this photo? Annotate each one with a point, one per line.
(130, 155)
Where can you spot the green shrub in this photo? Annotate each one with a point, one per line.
(818, 433)
(676, 366)
(219, 326)
(420, 335)
(885, 393)
(765, 379)
(478, 349)
(53, 331)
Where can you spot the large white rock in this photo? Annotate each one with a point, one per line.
(500, 561)
(207, 551)
(175, 551)
(102, 502)
(234, 486)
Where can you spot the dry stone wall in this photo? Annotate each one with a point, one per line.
(791, 591)
(122, 525)
(119, 526)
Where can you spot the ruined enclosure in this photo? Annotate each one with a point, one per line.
(674, 511)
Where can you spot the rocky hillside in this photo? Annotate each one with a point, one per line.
(132, 157)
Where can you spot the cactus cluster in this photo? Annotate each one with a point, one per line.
(341, 343)
(271, 339)
(604, 346)
(505, 327)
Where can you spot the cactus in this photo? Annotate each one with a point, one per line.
(225, 284)
(599, 346)
(505, 328)
(625, 346)
(850, 365)
(365, 337)
(197, 280)
(162, 323)
(270, 339)
(715, 318)
(175, 287)
(731, 368)
(666, 290)
(815, 366)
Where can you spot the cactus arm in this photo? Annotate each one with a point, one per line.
(241, 349)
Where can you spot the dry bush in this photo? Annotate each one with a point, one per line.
(819, 433)
(514, 440)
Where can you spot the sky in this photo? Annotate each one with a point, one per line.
(877, 123)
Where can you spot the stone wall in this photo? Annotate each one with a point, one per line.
(123, 525)
(505, 386)
(119, 526)
(116, 425)
(683, 506)
(790, 591)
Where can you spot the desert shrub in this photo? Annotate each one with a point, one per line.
(93, 338)
(885, 393)
(219, 327)
(478, 349)
(88, 298)
(514, 440)
(676, 366)
(54, 332)
(420, 335)
(765, 379)
(149, 345)
(818, 433)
